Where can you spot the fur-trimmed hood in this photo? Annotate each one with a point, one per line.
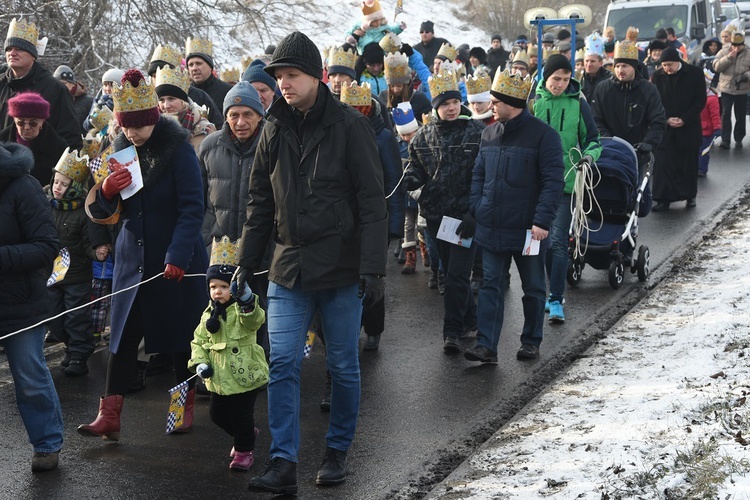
(15, 160)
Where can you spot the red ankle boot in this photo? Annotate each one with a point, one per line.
(107, 422)
(188, 417)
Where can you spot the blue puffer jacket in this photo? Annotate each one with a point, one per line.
(517, 182)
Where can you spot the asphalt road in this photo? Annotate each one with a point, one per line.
(422, 412)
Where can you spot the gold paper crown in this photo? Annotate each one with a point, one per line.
(73, 166)
(626, 50)
(24, 30)
(172, 76)
(354, 95)
(128, 98)
(549, 52)
(100, 117)
(245, 61)
(390, 43)
(396, 69)
(478, 84)
(230, 75)
(632, 34)
(532, 51)
(224, 252)
(340, 57)
(580, 55)
(444, 81)
(521, 57)
(99, 168)
(199, 45)
(737, 38)
(448, 51)
(168, 54)
(91, 145)
(512, 85)
(426, 118)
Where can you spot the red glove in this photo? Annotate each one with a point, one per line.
(172, 272)
(116, 182)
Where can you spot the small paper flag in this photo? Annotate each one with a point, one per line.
(98, 165)
(309, 343)
(60, 267)
(176, 415)
(399, 7)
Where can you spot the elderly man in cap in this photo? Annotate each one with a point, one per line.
(25, 73)
(429, 44)
(316, 189)
(733, 62)
(261, 81)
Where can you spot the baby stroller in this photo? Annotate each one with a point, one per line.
(619, 193)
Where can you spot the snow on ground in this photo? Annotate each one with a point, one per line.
(654, 410)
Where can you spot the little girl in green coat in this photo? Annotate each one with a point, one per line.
(225, 353)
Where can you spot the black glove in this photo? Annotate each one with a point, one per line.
(407, 49)
(744, 78)
(371, 289)
(644, 147)
(241, 278)
(204, 370)
(468, 227)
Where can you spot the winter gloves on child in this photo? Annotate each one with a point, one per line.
(204, 370)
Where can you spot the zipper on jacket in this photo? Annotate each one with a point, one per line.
(562, 119)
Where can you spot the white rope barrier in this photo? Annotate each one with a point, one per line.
(583, 189)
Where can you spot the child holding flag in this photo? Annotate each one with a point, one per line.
(225, 353)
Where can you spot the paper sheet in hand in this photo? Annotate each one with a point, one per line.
(530, 247)
(447, 232)
(127, 158)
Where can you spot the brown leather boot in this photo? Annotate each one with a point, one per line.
(107, 422)
(410, 265)
(188, 417)
(425, 254)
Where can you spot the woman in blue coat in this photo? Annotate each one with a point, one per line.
(161, 233)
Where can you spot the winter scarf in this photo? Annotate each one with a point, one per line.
(218, 310)
(72, 199)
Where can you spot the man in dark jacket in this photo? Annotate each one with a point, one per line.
(28, 246)
(429, 44)
(682, 88)
(593, 73)
(24, 73)
(316, 189)
(442, 155)
(521, 160)
(81, 100)
(200, 65)
(497, 56)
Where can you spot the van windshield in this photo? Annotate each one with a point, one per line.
(648, 20)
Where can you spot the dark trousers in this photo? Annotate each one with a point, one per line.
(234, 414)
(739, 103)
(373, 318)
(122, 367)
(75, 327)
(460, 309)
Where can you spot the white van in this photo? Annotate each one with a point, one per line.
(692, 20)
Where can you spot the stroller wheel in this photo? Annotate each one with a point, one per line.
(616, 274)
(642, 264)
(575, 268)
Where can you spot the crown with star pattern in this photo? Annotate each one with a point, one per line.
(128, 98)
(168, 54)
(172, 76)
(73, 166)
(512, 85)
(356, 95)
(224, 252)
(444, 81)
(396, 69)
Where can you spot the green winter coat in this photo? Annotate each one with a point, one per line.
(571, 117)
(239, 363)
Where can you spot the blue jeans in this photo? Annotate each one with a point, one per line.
(289, 314)
(557, 256)
(36, 396)
(491, 300)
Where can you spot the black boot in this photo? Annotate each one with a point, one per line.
(325, 405)
(333, 469)
(373, 341)
(280, 478)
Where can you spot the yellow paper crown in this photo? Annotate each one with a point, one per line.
(225, 252)
(580, 55)
(245, 61)
(444, 81)
(632, 34)
(73, 166)
(199, 45)
(626, 50)
(128, 98)
(549, 52)
(521, 57)
(737, 38)
(532, 51)
(98, 166)
(354, 95)
(512, 85)
(168, 54)
(396, 69)
(24, 30)
(340, 57)
(91, 144)
(478, 84)
(448, 51)
(230, 75)
(426, 118)
(100, 117)
(390, 43)
(172, 76)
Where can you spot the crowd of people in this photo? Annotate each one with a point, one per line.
(284, 189)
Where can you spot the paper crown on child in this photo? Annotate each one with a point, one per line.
(594, 45)
(371, 10)
(478, 87)
(521, 57)
(511, 88)
(100, 117)
(91, 145)
(73, 166)
(396, 69)
(632, 34)
(356, 95)
(230, 75)
(25, 36)
(224, 252)
(444, 81)
(403, 117)
(580, 54)
(390, 43)
(168, 54)
(447, 52)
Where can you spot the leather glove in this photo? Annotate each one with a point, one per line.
(172, 272)
(371, 289)
(240, 279)
(407, 49)
(644, 147)
(468, 227)
(204, 371)
(243, 295)
(116, 182)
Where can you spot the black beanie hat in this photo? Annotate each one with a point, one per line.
(670, 54)
(563, 34)
(206, 57)
(479, 53)
(657, 45)
(373, 53)
(441, 98)
(496, 37)
(427, 26)
(296, 50)
(554, 63)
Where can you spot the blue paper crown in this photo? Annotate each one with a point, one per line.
(401, 117)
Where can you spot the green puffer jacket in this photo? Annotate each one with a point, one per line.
(571, 117)
(239, 363)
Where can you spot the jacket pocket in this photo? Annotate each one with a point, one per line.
(344, 219)
(517, 170)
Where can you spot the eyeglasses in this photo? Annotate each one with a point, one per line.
(30, 123)
(493, 102)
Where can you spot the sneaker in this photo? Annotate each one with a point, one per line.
(242, 460)
(450, 346)
(44, 462)
(468, 332)
(556, 314)
(76, 367)
(481, 354)
(527, 351)
(333, 469)
(66, 360)
(546, 306)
